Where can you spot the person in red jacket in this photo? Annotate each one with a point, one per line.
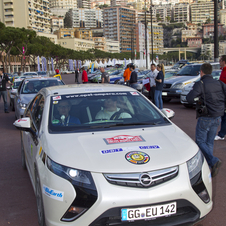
(84, 75)
(222, 132)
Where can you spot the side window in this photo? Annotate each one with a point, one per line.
(19, 88)
(37, 112)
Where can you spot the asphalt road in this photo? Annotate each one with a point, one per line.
(17, 199)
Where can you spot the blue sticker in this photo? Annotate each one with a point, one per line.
(124, 214)
(134, 148)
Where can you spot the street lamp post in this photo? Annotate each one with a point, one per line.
(146, 51)
(216, 52)
(152, 55)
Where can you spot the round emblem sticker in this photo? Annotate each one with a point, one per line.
(137, 157)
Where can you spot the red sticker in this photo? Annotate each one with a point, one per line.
(21, 120)
(57, 98)
(123, 139)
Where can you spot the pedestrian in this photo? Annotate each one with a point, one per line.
(152, 75)
(222, 132)
(159, 85)
(126, 75)
(3, 92)
(209, 109)
(133, 76)
(76, 75)
(104, 76)
(57, 75)
(84, 76)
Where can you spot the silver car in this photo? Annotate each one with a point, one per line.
(187, 89)
(28, 88)
(172, 87)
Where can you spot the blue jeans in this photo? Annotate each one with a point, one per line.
(206, 129)
(158, 99)
(222, 132)
(4, 95)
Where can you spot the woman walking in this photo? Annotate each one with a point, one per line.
(159, 85)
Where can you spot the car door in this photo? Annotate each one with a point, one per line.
(33, 142)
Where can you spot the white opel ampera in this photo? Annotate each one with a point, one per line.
(105, 155)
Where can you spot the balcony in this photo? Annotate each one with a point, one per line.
(8, 6)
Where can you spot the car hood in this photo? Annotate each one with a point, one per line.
(26, 98)
(180, 79)
(166, 146)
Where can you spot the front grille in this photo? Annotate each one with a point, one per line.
(167, 86)
(186, 213)
(140, 179)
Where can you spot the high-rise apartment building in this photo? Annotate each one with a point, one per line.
(32, 14)
(181, 12)
(162, 13)
(157, 38)
(120, 25)
(201, 11)
(223, 16)
(56, 23)
(63, 4)
(119, 2)
(86, 18)
(86, 4)
(96, 3)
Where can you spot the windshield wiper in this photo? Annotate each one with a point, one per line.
(124, 124)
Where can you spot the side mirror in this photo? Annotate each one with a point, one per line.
(23, 124)
(168, 113)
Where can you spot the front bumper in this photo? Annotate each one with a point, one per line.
(112, 198)
(171, 93)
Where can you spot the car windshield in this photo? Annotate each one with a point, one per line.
(16, 84)
(216, 74)
(41, 73)
(33, 86)
(89, 111)
(190, 70)
(30, 73)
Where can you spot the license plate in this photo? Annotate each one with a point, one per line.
(164, 93)
(148, 212)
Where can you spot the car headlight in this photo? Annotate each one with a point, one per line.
(75, 176)
(195, 174)
(178, 86)
(23, 105)
(195, 165)
(82, 181)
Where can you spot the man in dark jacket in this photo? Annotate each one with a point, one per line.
(3, 92)
(133, 76)
(212, 94)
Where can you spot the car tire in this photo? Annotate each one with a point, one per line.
(23, 159)
(188, 105)
(116, 81)
(166, 100)
(39, 201)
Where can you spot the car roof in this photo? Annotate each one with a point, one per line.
(40, 78)
(86, 88)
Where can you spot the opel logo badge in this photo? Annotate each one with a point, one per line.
(145, 179)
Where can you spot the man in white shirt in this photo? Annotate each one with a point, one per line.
(110, 108)
(153, 74)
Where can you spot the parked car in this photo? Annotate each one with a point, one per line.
(42, 73)
(216, 75)
(30, 74)
(28, 88)
(173, 86)
(13, 90)
(134, 165)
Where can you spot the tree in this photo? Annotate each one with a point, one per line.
(24, 38)
(208, 21)
(68, 22)
(8, 38)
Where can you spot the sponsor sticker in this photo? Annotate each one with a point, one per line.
(123, 139)
(55, 102)
(57, 98)
(53, 194)
(93, 90)
(135, 93)
(137, 157)
(134, 148)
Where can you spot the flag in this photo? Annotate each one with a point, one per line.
(52, 64)
(75, 64)
(92, 68)
(38, 63)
